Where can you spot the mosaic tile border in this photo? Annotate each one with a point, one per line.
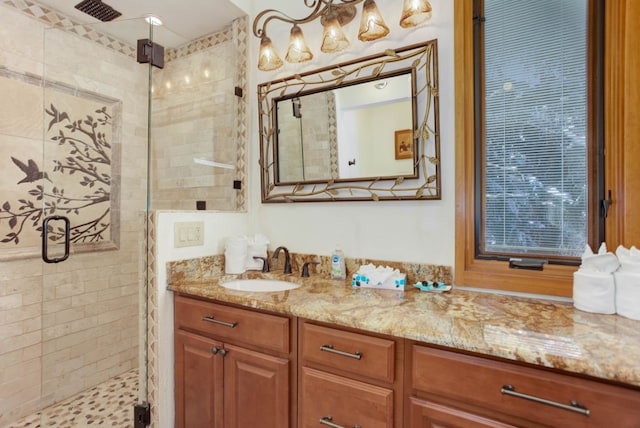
(56, 19)
(152, 322)
(240, 34)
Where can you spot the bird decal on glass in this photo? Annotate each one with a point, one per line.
(31, 170)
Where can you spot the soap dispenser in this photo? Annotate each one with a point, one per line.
(338, 270)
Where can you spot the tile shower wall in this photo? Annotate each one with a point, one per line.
(66, 327)
(194, 107)
(307, 146)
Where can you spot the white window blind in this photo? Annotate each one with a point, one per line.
(535, 139)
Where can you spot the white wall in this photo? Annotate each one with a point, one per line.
(416, 231)
(217, 226)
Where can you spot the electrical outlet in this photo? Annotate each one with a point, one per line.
(188, 234)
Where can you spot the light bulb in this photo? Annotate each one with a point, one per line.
(372, 26)
(298, 50)
(268, 58)
(415, 12)
(333, 38)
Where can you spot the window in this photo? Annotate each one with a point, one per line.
(529, 115)
(533, 134)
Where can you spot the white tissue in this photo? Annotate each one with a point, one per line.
(628, 283)
(593, 284)
(377, 274)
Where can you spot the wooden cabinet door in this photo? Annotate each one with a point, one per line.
(198, 381)
(343, 402)
(256, 389)
(425, 414)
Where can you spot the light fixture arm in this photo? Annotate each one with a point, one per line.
(320, 9)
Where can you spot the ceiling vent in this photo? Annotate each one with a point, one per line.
(98, 10)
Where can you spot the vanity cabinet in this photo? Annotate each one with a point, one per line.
(227, 357)
(457, 390)
(349, 378)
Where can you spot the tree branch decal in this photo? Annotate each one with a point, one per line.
(83, 151)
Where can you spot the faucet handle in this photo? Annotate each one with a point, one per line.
(265, 263)
(305, 268)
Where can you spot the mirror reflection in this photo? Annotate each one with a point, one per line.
(353, 132)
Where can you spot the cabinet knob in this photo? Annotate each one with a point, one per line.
(223, 352)
(214, 350)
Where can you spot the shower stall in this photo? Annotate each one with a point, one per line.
(79, 169)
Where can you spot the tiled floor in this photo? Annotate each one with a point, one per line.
(109, 404)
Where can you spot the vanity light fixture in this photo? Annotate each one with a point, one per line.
(415, 12)
(333, 15)
(298, 50)
(372, 25)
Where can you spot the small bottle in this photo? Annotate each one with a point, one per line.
(338, 270)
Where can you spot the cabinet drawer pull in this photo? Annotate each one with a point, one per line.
(329, 348)
(224, 323)
(326, 420)
(574, 406)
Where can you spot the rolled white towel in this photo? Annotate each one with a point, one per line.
(594, 292)
(628, 293)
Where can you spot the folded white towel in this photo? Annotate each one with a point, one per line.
(629, 258)
(628, 293)
(604, 261)
(594, 292)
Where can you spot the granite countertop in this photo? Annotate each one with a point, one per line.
(545, 333)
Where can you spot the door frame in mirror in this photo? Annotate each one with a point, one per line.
(422, 58)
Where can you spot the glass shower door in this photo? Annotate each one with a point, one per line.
(95, 198)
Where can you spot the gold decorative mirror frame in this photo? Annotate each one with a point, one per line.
(422, 59)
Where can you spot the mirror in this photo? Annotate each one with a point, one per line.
(328, 135)
(362, 130)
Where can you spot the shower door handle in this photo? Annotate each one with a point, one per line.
(45, 238)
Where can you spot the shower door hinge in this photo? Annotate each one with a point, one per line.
(150, 52)
(141, 415)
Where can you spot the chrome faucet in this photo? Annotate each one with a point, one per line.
(287, 258)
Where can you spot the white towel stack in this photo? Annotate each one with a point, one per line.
(628, 282)
(235, 254)
(593, 283)
(240, 250)
(256, 247)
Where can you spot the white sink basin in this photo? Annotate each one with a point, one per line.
(264, 285)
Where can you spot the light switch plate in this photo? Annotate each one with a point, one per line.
(188, 234)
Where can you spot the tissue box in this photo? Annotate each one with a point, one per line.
(394, 282)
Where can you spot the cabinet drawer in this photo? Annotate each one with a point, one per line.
(266, 331)
(343, 402)
(485, 383)
(345, 351)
